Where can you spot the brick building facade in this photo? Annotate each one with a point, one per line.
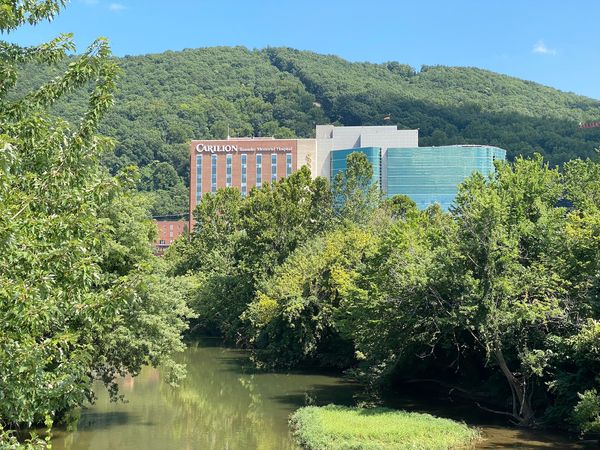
(244, 163)
(168, 231)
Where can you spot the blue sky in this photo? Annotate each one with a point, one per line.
(552, 42)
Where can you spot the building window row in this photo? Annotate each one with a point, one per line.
(213, 167)
(228, 171)
(259, 171)
(244, 183)
(243, 173)
(198, 178)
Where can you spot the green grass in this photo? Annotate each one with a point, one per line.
(343, 428)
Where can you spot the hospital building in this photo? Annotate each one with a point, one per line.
(425, 174)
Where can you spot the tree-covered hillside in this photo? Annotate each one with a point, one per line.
(167, 99)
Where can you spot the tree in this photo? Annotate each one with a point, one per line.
(355, 192)
(158, 175)
(400, 206)
(74, 306)
(238, 242)
(514, 298)
(392, 312)
(294, 313)
(279, 217)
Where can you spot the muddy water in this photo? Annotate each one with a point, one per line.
(224, 404)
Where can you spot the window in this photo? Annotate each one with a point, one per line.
(288, 164)
(244, 178)
(273, 167)
(213, 168)
(198, 177)
(258, 171)
(228, 173)
(161, 242)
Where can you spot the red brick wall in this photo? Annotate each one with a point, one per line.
(168, 231)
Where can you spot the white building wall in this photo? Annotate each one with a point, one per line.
(307, 155)
(324, 148)
(331, 138)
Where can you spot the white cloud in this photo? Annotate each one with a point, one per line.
(115, 7)
(90, 2)
(541, 48)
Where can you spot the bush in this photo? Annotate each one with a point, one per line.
(586, 414)
(335, 427)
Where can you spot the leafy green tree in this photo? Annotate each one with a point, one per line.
(400, 206)
(587, 412)
(74, 305)
(355, 192)
(391, 314)
(238, 242)
(158, 175)
(294, 311)
(576, 364)
(281, 216)
(171, 203)
(221, 289)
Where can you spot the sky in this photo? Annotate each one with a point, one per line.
(552, 42)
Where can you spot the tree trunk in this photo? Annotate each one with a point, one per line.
(522, 410)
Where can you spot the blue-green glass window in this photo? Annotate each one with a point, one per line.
(432, 174)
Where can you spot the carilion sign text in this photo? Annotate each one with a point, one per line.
(231, 148)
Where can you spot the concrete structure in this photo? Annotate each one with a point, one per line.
(331, 138)
(168, 231)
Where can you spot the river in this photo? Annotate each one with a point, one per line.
(225, 404)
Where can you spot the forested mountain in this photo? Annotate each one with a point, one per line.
(167, 99)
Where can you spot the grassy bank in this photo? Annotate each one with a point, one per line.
(343, 428)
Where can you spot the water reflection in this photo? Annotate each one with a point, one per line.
(222, 404)
(225, 404)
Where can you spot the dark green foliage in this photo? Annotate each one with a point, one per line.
(449, 105)
(294, 312)
(239, 242)
(400, 206)
(165, 100)
(157, 176)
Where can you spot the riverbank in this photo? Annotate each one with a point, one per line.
(334, 427)
(224, 402)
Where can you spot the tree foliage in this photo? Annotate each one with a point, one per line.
(239, 242)
(167, 99)
(79, 297)
(500, 296)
